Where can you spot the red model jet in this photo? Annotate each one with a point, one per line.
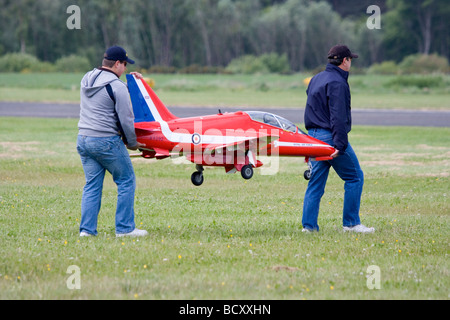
(229, 140)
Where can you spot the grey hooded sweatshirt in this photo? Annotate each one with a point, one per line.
(99, 115)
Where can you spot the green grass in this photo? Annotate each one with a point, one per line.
(229, 238)
(368, 91)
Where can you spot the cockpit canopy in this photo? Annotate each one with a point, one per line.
(273, 120)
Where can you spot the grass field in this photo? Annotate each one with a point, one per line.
(368, 91)
(229, 238)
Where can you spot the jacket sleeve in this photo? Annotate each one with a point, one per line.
(337, 95)
(125, 112)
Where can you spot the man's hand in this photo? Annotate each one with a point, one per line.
(136, 146)
(137, 75)
(335, 154)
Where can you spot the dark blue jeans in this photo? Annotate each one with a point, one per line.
(97, 156)
(348, 169)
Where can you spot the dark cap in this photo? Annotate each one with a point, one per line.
(340, 52)
(117, 53)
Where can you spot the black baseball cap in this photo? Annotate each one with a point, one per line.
(117, 53)
(340, 52)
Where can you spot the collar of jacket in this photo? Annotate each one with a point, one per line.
(333, 68)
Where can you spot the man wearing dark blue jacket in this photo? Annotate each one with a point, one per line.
(328, 118)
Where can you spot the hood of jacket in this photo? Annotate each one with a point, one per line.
(96, 80)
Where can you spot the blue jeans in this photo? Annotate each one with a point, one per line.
(348, 169)
(97, 156)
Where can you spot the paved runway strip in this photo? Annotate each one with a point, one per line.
(380, 117)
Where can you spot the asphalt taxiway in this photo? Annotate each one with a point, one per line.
(376, 117)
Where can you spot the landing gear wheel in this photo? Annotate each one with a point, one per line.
(197, 178)
(307, 174)
(247, 172)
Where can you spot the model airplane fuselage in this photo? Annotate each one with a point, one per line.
(229, 140)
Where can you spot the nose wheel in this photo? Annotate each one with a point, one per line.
(308, 172)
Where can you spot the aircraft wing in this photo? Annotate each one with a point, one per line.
(249, 143)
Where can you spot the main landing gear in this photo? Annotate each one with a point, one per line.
(247, 172)
(197, 177)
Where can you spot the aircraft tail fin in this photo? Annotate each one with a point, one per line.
(147, 107)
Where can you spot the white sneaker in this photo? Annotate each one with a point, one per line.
(135, 233)
(85, 234)
(359, 229)
(308, 230)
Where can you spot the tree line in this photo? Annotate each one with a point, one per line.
(181, 33)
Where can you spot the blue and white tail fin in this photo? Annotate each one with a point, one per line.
(147, 107)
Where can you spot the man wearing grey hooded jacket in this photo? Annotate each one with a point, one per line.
(105, 131)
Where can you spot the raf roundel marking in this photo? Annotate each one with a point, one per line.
(196, 139)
